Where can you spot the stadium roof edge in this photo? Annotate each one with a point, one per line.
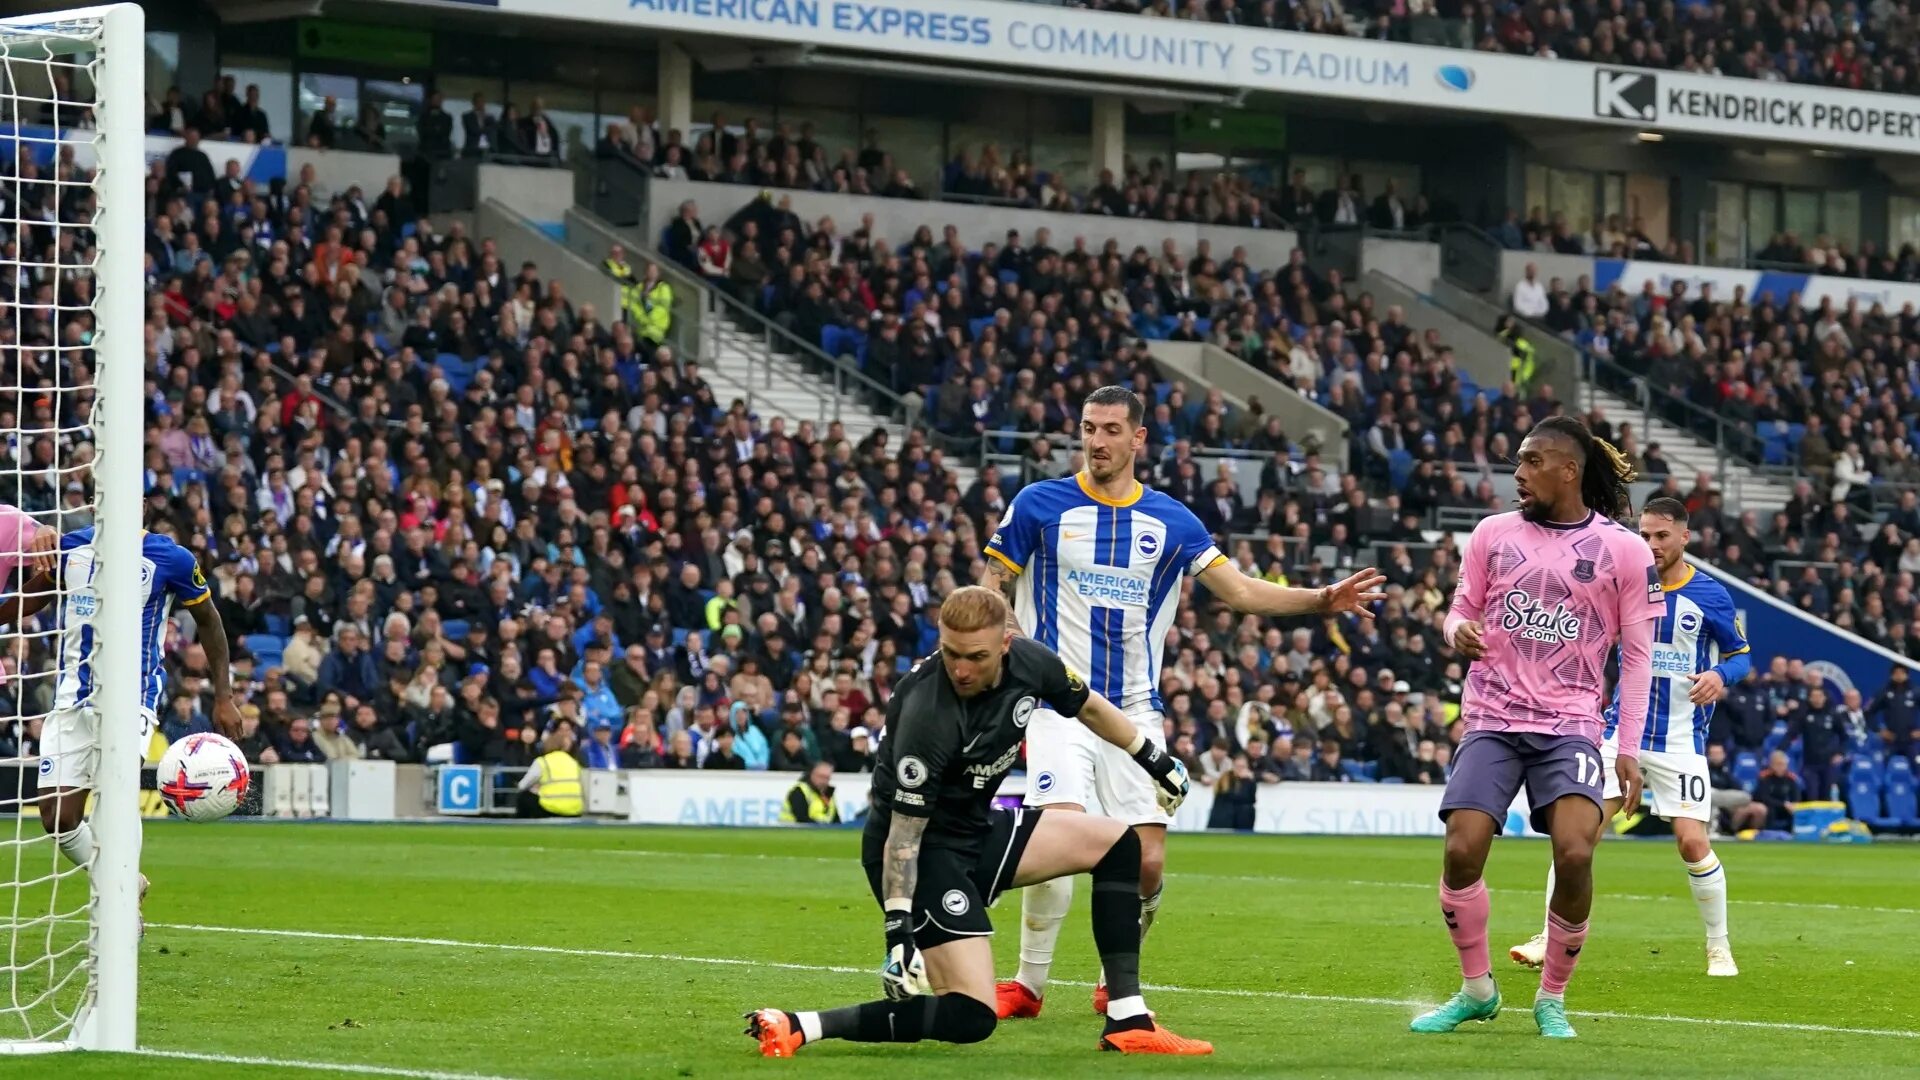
(945, 35)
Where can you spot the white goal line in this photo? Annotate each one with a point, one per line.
(842, 969)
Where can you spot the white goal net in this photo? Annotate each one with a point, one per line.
(71, 251)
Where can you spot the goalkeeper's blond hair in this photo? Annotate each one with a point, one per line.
(973, 607)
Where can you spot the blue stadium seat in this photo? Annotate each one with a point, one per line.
(839, 341)
(454, 629)
(1009, 277)
(279, 625)
(974, 326)
(1353, 769)
(1746, 769)
(264, 643)
(1903, 809)
(1860, 744)
(1774, 737)
(1399, 468)
(1863, 801)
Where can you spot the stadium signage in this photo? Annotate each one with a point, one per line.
(1229, 59)
(1642, 97)
(1813, 289)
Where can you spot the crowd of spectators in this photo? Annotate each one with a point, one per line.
(1829, 392)
(445, 508)
(790, 156)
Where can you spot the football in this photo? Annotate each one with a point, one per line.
(203, 777)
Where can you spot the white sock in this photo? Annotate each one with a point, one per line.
(1708, 880)
(1549, 914)
(809, 1025)
(77, 845)
(1043, 908)
(1149, 906)
(1126, 1008)
(1544, 994)
(1480, 987)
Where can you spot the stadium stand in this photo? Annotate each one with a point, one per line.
(425, 481)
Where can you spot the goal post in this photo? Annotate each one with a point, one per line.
(73, 111)
(119, 422)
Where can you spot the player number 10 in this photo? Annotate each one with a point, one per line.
(1587, 767)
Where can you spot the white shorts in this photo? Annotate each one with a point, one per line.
(1676, 783)
(70, 747)
(1066, 763)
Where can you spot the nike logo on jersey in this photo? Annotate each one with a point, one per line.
(1065, 535)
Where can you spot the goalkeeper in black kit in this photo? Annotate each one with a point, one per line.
(937, 851)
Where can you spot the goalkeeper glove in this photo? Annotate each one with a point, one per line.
(1169, 775)
(904, 974)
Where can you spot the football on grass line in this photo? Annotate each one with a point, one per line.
(203, 777)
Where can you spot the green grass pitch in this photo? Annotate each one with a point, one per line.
(548, 952)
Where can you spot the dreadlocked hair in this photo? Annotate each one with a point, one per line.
(1604, 473)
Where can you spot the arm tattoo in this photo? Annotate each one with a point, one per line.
(1000, 579)
(901, 874)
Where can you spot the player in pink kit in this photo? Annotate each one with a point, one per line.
(1544, 594)
(23, 539)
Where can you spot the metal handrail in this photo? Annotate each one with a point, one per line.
(845, 377)
(1727, 438)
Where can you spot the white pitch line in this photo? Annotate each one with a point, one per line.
(316, 1066)
(841, 969)
(1270, 879)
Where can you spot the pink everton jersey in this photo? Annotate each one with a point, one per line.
(16, 532)
(1551, 600)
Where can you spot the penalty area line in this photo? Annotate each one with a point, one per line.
(315, 1066)
(844, 969)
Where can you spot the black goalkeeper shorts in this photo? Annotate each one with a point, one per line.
(957, 886)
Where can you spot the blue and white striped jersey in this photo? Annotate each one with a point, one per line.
(167, 572)
(1700, 618)
(1100, 580)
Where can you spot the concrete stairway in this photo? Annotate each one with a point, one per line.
(740, 362)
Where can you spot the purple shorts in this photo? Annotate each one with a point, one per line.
(1490, 766)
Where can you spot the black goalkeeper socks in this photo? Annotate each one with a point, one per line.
(954, 1018)
(1143, 1022)
(1116, 916)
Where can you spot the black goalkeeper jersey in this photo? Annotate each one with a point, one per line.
(943, 756)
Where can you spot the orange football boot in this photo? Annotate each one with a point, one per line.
(1153, 1040)
(1013, 1001)
(778, 1038)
